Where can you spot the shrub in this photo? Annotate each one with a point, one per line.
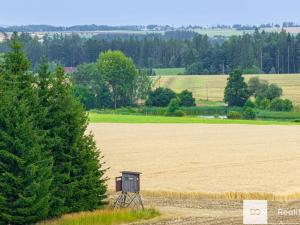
(273, 91)
(160, 97)
(249, 104)
(234, 115)
(173, 108)
(278, 104)
(249, 114)
(256, 86)
(186, 98)
(262, 89)
(179, 113)
(85, 96)
(263, 103)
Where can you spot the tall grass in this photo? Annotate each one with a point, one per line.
(103, 217)
(225, 195)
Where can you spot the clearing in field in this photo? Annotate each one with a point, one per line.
(211, 87)
(204, 157)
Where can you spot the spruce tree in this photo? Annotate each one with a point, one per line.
(236, 91)
(25, 166)
(79, 182)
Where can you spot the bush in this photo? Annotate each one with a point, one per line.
(234, 115)
(160, 97)
(249, 104)
(262, 89)
(257, 87)
(85, 96)
(263, 103)
(173, 108)
(186, 98)
(179, 113)
(284, 105)
(249, 114)
(273, 91)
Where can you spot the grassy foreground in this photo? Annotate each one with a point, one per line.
(103, 217)
(113, 118)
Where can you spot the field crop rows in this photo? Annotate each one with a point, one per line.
(207, 158)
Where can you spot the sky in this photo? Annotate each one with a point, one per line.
(144, 12)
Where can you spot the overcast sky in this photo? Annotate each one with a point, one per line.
(129, 12)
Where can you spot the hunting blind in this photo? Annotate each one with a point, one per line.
(129, 186)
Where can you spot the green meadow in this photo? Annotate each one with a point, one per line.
(141, 119)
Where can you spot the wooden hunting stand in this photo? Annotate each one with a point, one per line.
(129, 186)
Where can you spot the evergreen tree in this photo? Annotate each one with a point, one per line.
(78, 177)
(236, 91)
(25, 166)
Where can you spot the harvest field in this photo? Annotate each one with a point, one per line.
(206, 158)
(211, 87)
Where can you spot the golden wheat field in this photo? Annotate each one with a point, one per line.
(204, 158)
(211, 87)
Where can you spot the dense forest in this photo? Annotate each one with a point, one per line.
(260, 52)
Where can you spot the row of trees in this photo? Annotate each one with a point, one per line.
(161, 97)
(48, 165)
(113, 82)
(266, 96)
(260, 52)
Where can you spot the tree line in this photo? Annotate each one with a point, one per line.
(49, 166)
(256, 94)
(260, 52)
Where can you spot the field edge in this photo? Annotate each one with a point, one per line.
(143, 119)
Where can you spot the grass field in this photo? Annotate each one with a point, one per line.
(211, 87)
(169, 71)
(103, 217)
(207, 158)
(140, 119)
